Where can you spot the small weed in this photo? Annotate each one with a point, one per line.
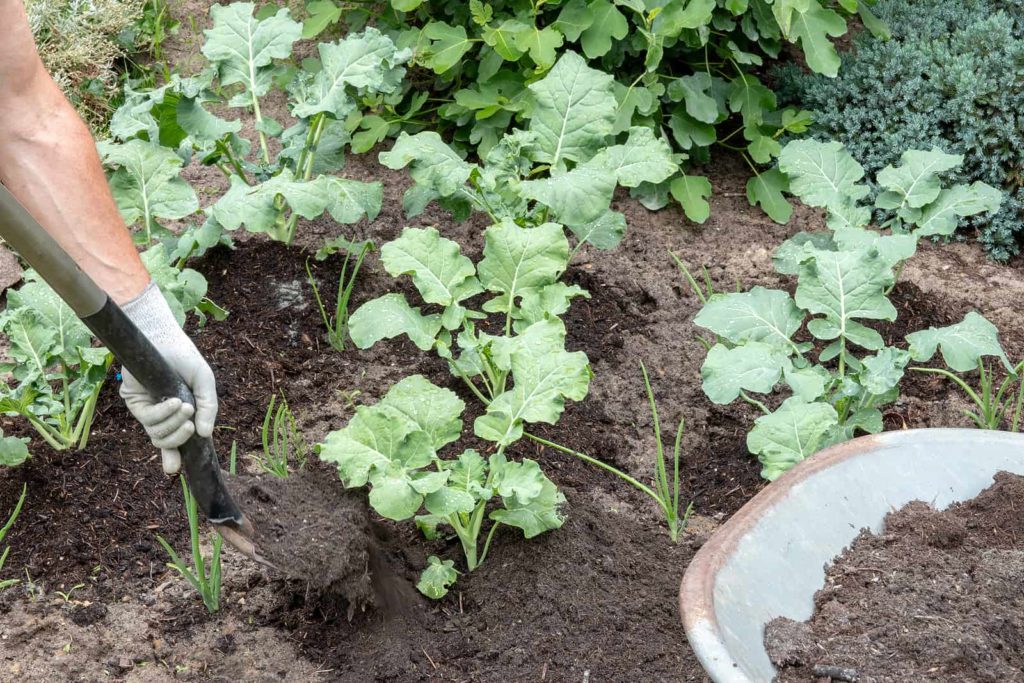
(206, 583)
(281, 440)
(67, 596)
(666, 485)
(703, 289)
(994, 405)
(337, 325)
(3, 532)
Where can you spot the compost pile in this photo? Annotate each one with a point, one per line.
(935, 597)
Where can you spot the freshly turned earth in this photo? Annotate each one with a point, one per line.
(938, 596)
(595, 600)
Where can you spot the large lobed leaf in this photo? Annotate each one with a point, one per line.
(573, 111)
(243, 48)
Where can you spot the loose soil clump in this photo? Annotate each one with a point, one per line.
(314, 532)
(936, 597)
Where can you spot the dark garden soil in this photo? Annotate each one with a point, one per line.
(935, 597)
(593, 601)
(596, 596)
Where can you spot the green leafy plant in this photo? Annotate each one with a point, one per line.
(337, 325)
(563, 166)
(393, 446)
(523, 375)
(7, 583)
(207, 582)
(995, 403)
(949, 78)
(161, 127)
(56, 374)
(684, 66)
(281, 439)
(13, 450)
(843, 278)
(667, 483)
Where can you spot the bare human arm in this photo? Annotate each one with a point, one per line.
(48, 161)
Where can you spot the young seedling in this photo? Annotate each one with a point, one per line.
(394, 448)
(337, 325)
(281, 440)
(206, 583)
(993, 404)
(6, 583)
(666, 488)
(703, 289)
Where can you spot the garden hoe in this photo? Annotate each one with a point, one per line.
(135, 352)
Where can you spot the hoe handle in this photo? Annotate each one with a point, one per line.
(119, 334)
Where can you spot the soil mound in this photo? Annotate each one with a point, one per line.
(936, 597)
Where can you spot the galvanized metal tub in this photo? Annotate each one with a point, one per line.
(769, 559)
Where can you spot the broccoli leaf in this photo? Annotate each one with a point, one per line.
(754, 366)
(363, 60)
(844, 286)
(762, 315)
(797, 430)
(530, 500)
(433, 164)
(438, 269)
(146, 185)
(13, 450)
(390, 316)
(941, 216)
(822, 173)
(915, 183)
(545, 374)
(437, 578)
(573, 111)
(243, 48)
(520, 260)
(962, 345)
(435, 411)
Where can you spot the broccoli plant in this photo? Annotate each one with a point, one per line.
(57, 373)
(520, 371)
(393, 446)
(522, 377)
(563, 166)
(843, 278)
(160, 128)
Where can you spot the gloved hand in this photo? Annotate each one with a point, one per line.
(169, 423)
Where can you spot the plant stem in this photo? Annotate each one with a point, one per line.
(259, 127)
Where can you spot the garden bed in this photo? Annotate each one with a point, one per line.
(597, 595)
(934, 596)
(594, 600)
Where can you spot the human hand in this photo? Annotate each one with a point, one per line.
(169, 423)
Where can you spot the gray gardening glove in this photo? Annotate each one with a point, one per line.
(169, 423)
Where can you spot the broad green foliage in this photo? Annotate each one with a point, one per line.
(57, 373)
(951, 78)
(683, 69)
(520, 270)
(159, 129)
(523, 376)
(843, 281)
(562, 166)
(394, 447)
(13, 450)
